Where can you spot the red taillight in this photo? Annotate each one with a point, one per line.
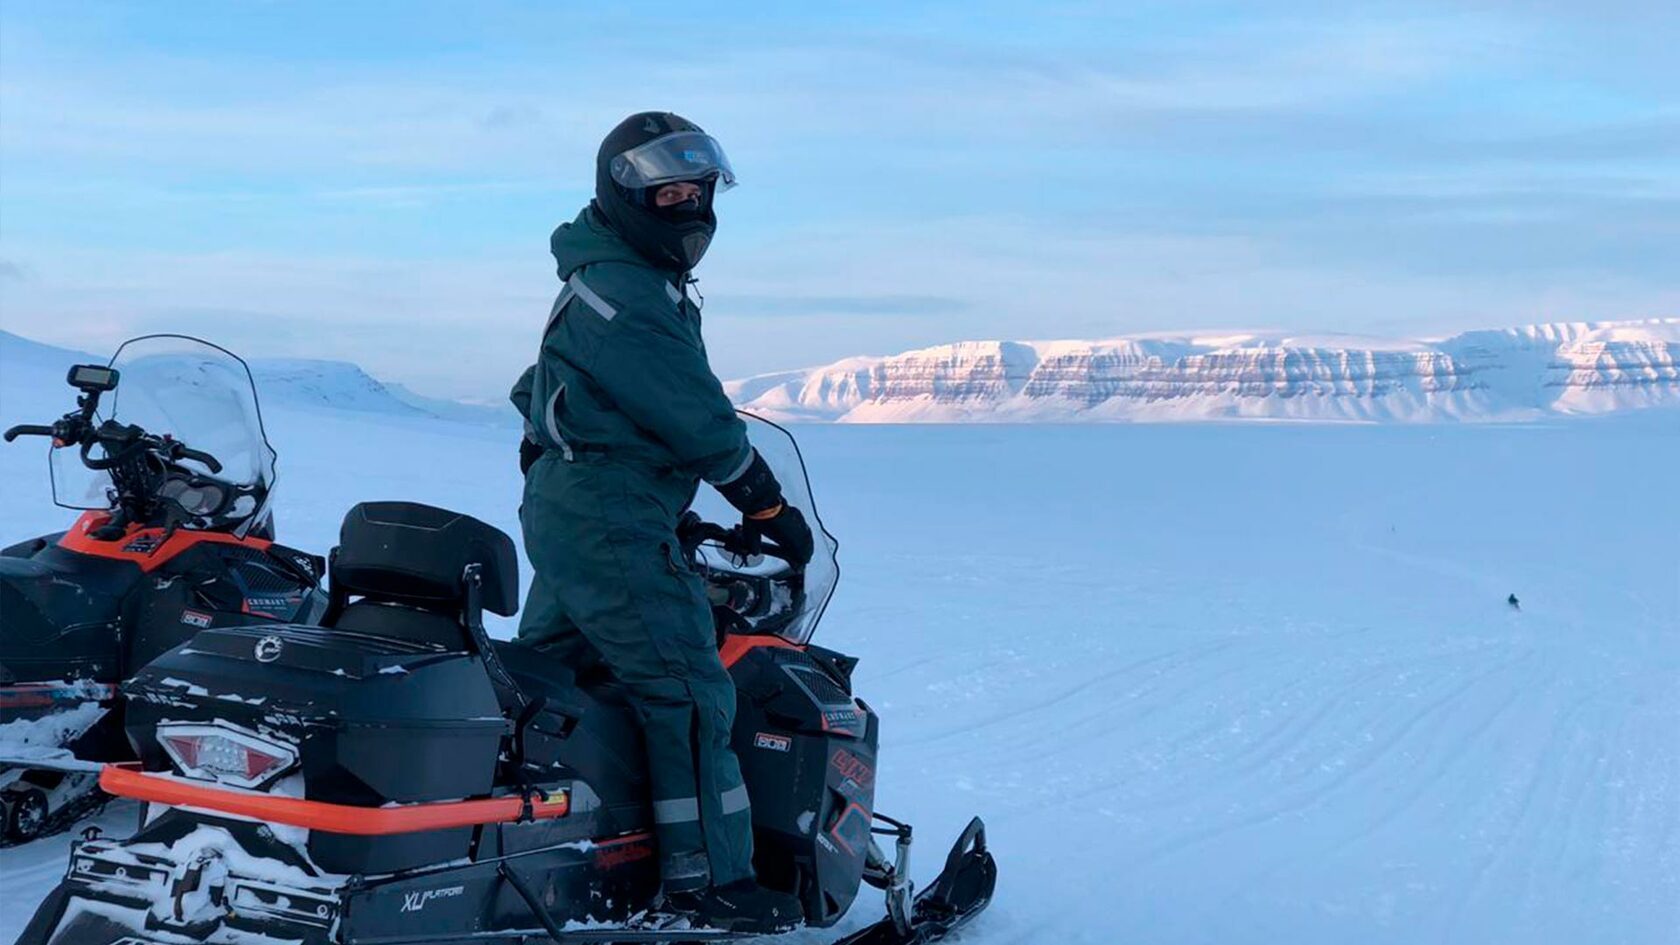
(224, 754)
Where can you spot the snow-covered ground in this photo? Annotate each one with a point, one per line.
(1207, 684)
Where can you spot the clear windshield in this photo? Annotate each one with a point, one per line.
(781, 453)
(200, 394)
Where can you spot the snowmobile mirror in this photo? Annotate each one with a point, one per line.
(93, 378)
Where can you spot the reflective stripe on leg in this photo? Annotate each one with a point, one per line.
(680, 810)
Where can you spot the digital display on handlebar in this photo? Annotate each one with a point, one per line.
(93, 377)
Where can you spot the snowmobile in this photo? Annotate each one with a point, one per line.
(166, 459)
(396, 777)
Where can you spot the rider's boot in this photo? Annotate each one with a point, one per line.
(741, 906)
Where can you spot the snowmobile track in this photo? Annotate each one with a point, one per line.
(66, 817)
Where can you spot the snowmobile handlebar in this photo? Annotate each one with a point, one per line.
(693, 531)
(122, 442)
(28, 429)
(199, 456)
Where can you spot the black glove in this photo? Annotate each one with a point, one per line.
(529, 451)
(787, 528)
(754, 490)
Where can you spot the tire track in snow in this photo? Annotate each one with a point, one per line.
(1550, 767)
(1186, 678)
(1044, 705)
(1443, 764)
(1273, 811)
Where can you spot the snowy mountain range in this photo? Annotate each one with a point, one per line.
(1513, 374)
(1494, 375)
(291, 382)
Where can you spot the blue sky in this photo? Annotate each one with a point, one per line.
(377, 181)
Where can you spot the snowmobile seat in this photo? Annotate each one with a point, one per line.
(539, 675)
(401, 568)
(418, 625)
(585, 726)
(408, 553)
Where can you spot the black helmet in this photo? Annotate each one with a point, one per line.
(645, 152)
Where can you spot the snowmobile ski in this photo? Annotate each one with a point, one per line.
(959, 893)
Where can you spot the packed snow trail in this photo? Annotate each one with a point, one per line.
(1246, 685)
(1209, 684)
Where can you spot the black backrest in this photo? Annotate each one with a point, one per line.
(415, 554)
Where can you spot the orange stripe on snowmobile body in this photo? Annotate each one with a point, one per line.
(736, 646)
(320, 815)
(78, 540)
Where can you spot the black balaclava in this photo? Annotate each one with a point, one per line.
(671, 238)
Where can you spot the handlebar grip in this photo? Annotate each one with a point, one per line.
(27, 429)
(199, 456)
(736, 541)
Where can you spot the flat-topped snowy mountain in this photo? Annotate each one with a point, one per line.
(1508, 374)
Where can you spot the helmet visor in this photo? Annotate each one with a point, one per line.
(680, 156)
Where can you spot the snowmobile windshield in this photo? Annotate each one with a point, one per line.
(680, 156)
(201, 395)
(807, 592)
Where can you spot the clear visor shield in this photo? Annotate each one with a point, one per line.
(198, 393)
(681, 156)
(816, 585)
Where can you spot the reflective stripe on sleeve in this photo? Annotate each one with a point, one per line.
(587, 294)
(740, 470)
(558, 307)
(735, 800)
(553, 423)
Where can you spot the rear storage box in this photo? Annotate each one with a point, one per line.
(388, 704)
(372, 720)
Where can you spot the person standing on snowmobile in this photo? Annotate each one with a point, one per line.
(624, 419)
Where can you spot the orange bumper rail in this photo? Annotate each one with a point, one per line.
(331, 818)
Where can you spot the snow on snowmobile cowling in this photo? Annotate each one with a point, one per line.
(394, 776)
(166, 458)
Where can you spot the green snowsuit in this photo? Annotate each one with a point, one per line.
(631, 418)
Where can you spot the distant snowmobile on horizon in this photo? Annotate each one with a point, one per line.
(166, 458)
(394, 776)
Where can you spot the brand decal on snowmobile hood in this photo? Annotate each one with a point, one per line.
(853, 767)
(268, 649)
(274, 606)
